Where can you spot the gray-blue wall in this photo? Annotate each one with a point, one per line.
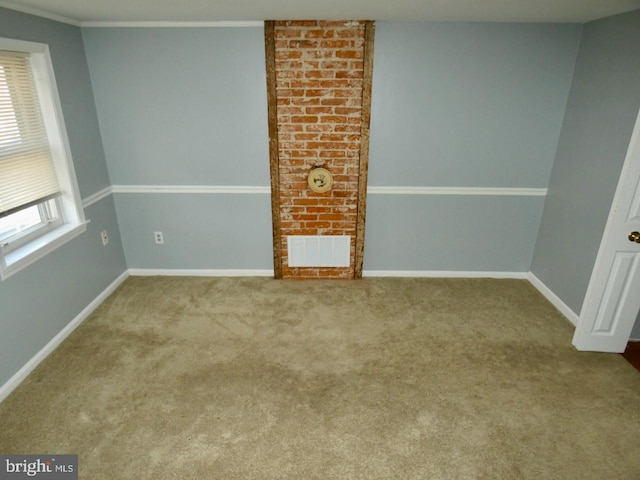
(463, 105)
(186, 106)
(453, 105)
(601, 112)
(41, 300)
(181, 106)
(201, 231)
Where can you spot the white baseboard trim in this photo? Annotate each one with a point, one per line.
(562, 307)
(23, 373)
(161, 272)
(442, 274)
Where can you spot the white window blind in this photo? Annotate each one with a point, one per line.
(27, 174)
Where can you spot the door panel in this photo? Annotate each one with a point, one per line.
(616, 293)
(612, 301)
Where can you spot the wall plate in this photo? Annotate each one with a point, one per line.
(320, 180)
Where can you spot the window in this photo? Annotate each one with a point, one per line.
(39, 202)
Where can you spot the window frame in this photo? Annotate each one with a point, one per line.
(48, 222)
(22, 251)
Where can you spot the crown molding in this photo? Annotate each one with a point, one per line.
(167, 24)
(40, 13)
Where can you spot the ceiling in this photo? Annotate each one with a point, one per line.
(85, 12)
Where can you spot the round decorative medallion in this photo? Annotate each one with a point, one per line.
(320, 180)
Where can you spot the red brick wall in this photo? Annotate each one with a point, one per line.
(319, 73)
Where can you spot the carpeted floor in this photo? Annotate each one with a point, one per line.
(251, 378)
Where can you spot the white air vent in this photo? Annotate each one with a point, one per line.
(318, 250)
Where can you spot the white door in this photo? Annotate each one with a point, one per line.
(612, 301)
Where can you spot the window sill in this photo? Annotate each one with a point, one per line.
(35, 250)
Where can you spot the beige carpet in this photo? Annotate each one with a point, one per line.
(251, 378)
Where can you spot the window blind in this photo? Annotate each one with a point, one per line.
(27, 175)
